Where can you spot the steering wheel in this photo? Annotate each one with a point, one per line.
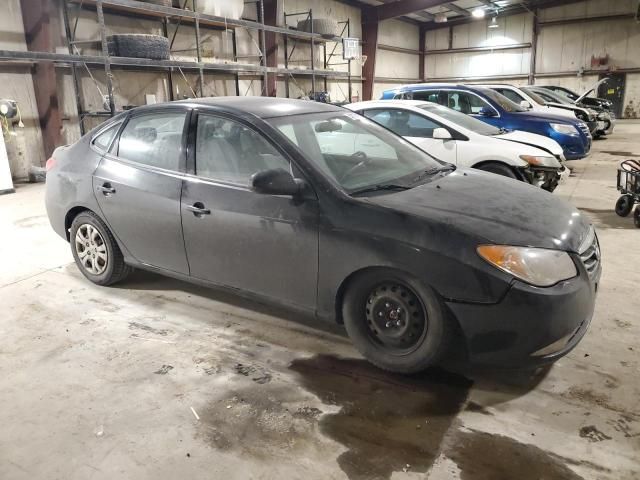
(364, 160)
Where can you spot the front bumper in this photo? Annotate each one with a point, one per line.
(545, 178)
(531, 326)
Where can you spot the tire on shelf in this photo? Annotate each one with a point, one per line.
(164, 3)
(324, 26)
(138, 45)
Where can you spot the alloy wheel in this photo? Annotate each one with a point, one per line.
(91, 249)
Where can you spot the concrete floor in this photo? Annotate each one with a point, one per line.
(159, 379)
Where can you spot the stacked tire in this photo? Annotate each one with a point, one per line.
(138, 45)
(326, 27)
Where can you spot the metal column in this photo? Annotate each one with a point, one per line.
(105, 53)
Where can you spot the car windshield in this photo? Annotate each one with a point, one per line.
(503, 101)
(534, 95)
(565, 92)
(466, 121)
(356, 153)
(549, 96)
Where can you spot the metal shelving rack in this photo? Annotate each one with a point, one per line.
(327, 59)
(167, 16)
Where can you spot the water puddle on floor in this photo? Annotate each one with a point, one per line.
(388, 423)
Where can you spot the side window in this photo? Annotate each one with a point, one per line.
(154, 140)
(466, 102)
(227, 150)
(403, 122)
(510, 94)
(428, 96)
(103, 140)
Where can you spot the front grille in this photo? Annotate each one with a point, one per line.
(590, 252)
(585, 128)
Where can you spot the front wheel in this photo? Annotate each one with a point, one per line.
(624, 205)
(96, 251)
(395, 321)
(499, 169)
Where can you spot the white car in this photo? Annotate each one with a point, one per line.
(528, 100)
(457, 138)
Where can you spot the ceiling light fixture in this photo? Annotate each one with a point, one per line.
(494, 23)
(440, 18)
(478, 13)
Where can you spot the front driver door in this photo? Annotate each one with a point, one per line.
(265, 244)
(417, 129)
(138, 187)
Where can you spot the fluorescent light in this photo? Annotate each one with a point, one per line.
(478, 13)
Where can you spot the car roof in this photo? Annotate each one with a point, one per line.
(263, 107)
(382, 103)
(417, 86)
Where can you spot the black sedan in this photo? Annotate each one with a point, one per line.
(272, 198)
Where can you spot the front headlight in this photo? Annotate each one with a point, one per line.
(538, 266)
(534, 161)
(564, 128)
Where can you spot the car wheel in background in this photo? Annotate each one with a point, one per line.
(138, 45)
(636, 217)
(96, 251)
(624, 205)
(395, 321)
(499, 169)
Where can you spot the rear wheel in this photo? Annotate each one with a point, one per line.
(624, 205)
(96, 251)
(499, 169)
(395, 321)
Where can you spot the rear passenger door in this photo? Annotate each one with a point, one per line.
(138, 184)
(265, 244)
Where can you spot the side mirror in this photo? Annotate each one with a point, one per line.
(276, 181)
(525, 104)
(441, 134)
(487, 112)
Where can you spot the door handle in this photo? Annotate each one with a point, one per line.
(106, 189)
(198, 209)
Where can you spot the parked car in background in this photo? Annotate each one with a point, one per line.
(460, 139)
(496, 109)
(604, 119)
(583, 98)
(242, 193)
(529, 99)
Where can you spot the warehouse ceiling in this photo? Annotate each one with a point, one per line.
(441, 13)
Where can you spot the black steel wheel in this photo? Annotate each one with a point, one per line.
(624, 205)
(396, 321)
(636, 217)
(396, 317)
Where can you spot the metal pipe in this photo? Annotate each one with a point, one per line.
(74, 73)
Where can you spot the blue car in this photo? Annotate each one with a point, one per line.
(496, 109)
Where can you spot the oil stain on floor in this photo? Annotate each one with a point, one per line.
(388, 423)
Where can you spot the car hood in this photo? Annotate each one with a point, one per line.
(493, 209)
(544, 117)
(532, 139)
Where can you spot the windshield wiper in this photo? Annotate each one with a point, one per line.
(379, 187)
(433, 171)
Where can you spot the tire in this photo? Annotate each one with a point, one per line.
(415, 348)
(624, 205)
(636, 217)
(101, 271)
(134, 45)
(499, 169)
(323, 26)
